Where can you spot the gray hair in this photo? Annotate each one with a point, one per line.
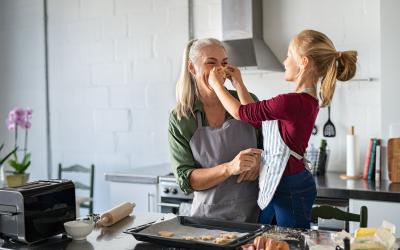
(186, 88)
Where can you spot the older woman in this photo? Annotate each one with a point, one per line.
(213, 155)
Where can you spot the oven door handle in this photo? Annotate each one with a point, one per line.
(8, 213)
(163, 204)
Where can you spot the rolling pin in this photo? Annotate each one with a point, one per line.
(116, 214)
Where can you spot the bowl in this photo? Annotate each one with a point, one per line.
(78, 229)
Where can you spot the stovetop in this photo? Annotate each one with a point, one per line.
(168, 178)
(169, 188)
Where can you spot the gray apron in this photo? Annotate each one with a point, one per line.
(228, 200)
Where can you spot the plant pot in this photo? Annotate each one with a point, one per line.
(15, 180)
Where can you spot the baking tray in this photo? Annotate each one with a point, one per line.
(196, 225)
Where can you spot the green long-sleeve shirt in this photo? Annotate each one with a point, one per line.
(179, 134)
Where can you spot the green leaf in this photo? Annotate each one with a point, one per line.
(6, 157)
(1, 147)
(15, 156)
(27, 159)
(24, 167)
(14, 164)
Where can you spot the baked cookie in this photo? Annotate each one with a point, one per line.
(189, 238)
(221, 241)
(228, 236)
(166, 233)
(207, 237)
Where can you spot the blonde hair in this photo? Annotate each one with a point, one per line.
(186, 87)
(326, 62)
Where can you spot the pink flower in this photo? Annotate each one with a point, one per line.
(19, 117)
(29, 113)
(11, 127)
(20, 112)
(26, 125)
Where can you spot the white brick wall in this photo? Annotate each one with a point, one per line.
(113, 72)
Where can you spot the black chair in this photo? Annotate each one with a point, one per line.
(84, 202)
(329, 212)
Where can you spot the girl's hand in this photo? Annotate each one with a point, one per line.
(216, 78)
(234, 75)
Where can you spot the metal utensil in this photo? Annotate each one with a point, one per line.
(329, 128)
(315, 130)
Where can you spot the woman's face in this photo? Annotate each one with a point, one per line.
(291, 66)
(209, 57)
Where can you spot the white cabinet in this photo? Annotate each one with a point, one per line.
(377, 212)
(143, 195)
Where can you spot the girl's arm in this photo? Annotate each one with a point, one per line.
(235, 77)
(216, 81)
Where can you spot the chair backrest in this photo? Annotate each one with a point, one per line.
(329, 212)
(76, 168)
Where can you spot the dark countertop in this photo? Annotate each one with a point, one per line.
(331, 185)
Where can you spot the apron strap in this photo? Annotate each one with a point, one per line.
(307, 163)
(199, 120)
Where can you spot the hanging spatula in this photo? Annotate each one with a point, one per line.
(329, 128)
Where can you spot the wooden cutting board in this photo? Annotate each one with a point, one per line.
(394, 159)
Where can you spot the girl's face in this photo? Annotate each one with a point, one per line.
(291, 66)
(209, 57)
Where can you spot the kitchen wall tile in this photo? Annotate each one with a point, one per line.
(85, 31)
(98, 52)
(109, 74)
(132, 6)
(115, 27)
(90, 9)
(152, 70)
(132, 96)
(112, 119)
(154, 25)
(128, 49)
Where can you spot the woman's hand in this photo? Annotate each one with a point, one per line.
(234, 75)
(216, 78)
(254, 172)
(246, 160)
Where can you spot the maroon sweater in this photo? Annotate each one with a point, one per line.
(296, 114)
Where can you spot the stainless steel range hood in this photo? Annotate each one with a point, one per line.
(242, 34)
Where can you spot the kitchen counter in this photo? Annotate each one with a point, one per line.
(144, 175)
(331, 185)
(100, 238)
(114, 238)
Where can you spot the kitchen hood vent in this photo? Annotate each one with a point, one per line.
(242, 35)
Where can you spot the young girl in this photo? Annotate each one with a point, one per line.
(287, 189)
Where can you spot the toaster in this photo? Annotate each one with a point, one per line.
(37, 210)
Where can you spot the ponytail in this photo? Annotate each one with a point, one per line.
(186, 91)
(326, 62)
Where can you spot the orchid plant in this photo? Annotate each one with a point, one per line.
(19, 117)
